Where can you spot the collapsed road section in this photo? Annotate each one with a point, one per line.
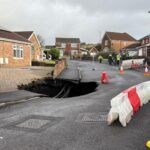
(58, 88)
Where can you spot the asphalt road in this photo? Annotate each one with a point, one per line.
(77, 123)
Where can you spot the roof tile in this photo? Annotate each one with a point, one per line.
(12, 36)
(120, 36)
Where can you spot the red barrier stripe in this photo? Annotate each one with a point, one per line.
(134, 99)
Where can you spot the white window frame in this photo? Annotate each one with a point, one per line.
(106, 42)
(18, 52)
(63, 45)
(143, 41)
(74, 52)
(74, 45)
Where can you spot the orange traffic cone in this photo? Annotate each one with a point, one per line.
(146, 73)
(121, 70)
(104, 78)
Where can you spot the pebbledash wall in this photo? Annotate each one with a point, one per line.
(7, 58)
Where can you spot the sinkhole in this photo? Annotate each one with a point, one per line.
(57, 88)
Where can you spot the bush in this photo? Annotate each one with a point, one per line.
(104, 54)
(55, 53)
(43, 63)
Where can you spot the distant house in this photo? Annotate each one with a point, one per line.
(15, 50)
(133, 49)
(93, 51)
(48, 47)
(145, 46)
(36, 47)
(69, 46)
(113, 41)
(84, 51)
(142, 48)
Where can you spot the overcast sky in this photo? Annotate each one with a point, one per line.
(86, 19)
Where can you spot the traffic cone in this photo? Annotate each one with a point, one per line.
(148, 144)
(146, 73)
(121, 70)
(104, 78)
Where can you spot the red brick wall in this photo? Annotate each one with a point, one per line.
(68, 47)
(6, 51)
(103, 42)
(37, 48)
(118, 45)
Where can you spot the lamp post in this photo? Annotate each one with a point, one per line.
(93, 55)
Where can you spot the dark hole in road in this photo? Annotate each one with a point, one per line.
(59, 88)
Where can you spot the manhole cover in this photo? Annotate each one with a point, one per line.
(92, 117)
(34, 123)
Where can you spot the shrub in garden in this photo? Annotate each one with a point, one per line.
(55, 53)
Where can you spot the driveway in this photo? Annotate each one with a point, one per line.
(10, 78)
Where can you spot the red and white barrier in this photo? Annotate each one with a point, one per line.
(127, 103)
(132, 63)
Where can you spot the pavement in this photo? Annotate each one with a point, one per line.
(10, 78)
(77, 123)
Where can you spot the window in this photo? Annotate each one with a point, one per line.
(74, 52)
(17, 51)
(143, 42)
(63, 45)
(74, 45)
(32, 50)
(106, 42)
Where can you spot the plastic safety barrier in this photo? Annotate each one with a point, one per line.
(127, 103)
(132, 63)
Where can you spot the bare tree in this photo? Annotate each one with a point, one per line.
(41, 39)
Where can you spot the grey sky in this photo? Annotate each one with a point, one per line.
(86, 19)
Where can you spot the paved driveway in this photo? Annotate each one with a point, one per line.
(10, 78)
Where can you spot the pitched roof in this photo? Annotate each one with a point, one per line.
(25, 34)
(12, 36)
(132, 46)
(147, 36)
(120, 36)
(67, 40)
(93, 49)
(50, 46)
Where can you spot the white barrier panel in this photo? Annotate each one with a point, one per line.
(121, 109)
(143, 90)
(121, 106)
(128, 63)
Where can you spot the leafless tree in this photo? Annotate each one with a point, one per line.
(41, 39)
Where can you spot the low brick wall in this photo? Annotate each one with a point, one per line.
(59, 67)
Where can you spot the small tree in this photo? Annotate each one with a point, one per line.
(55, 53)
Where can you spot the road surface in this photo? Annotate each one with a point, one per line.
(77, 123)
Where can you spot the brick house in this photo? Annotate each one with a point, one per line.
(36, 47)
(144, 49)
(69, 46)
(15, 50)
(93, 51)
(113, 41)
(133, 49)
